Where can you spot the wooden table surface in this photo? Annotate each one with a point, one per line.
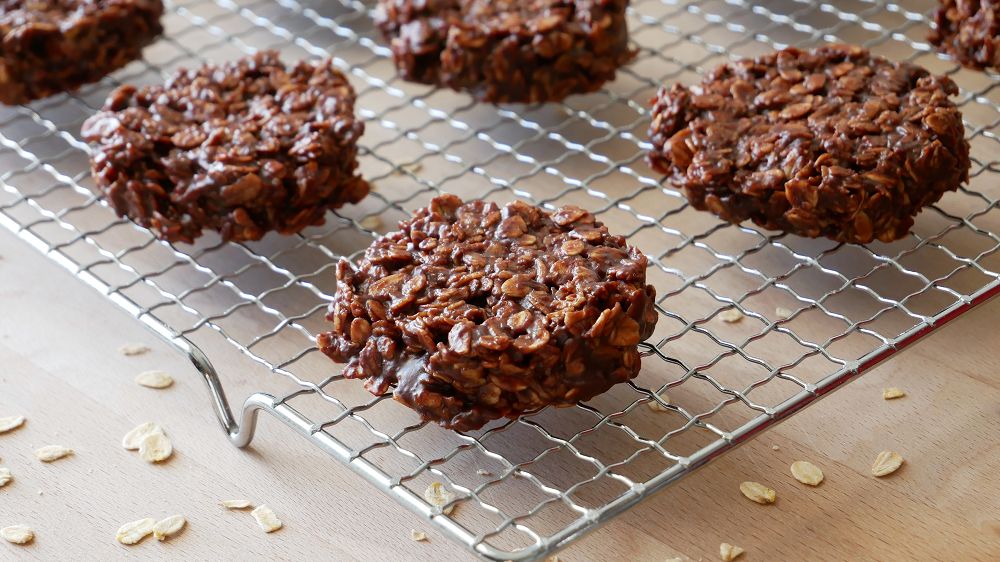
(60, 367)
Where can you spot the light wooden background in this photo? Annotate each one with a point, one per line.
(60, 367)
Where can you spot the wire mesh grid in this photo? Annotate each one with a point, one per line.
(815, 313)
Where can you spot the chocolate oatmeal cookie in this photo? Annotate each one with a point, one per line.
(50, 46)
(829, 142)
(508, 50)
(476, 312)
(242, 148)
(969, 30)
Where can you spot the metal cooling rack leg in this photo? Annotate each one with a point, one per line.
(241, 434)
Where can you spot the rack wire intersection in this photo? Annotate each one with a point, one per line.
(815, 314)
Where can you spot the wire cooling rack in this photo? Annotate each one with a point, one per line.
(815, 314)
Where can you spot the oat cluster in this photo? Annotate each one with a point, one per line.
(832, 142)
(508, 50)
(241, 148)
(475, 312)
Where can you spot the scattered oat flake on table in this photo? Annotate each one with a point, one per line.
(17, 534)
(807, 473)
(783, 313)
(775, 448)
(11, 423)
(168, 527)
(134, 437)
(371, 222)
(437, 495)
(729, 552)
(656, 406)
(731, 315)
(886, 463)
(133, 349)
(417, 535)
(483, 472)
(131, 533)
(51, 453)
(266, 519)
(5, 476)
(892, 393)
(154, 379)
(411, 167)
(758, 492)
(236, 504)
(155, 447)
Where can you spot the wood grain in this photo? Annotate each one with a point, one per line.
(59, 366)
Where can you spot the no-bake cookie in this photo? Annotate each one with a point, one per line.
(830, 142)
(241, 148)
(969, 30)
(475, 312)
(50, 46)
(508, 50)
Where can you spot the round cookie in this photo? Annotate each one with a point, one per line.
(830, 142)
(969, 32)
(52, 46)
(242, 148)
(508, 51)
(476, 312)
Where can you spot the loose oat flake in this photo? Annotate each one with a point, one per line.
(154, 379)
(729, 552)
(757, 492)
(656, 406)
(155, 447)
(436, 494)
(133, 349)
(236, 504)
(51, 453)
(266, 519)
(168, 527)
(892, 393)
(410, 167)
(131, 533)
(17, 534)
(731, 315)
(5, 476)
(11, 423)
(886, 463)
(807, 473)
(134, 437)
(417, 535)
(372, 222)
(782, 313)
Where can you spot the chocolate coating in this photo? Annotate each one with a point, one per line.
(242, 148)
(829, 142)
(476, 312)
(508, 50)
(969, 31)
(51, 46)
